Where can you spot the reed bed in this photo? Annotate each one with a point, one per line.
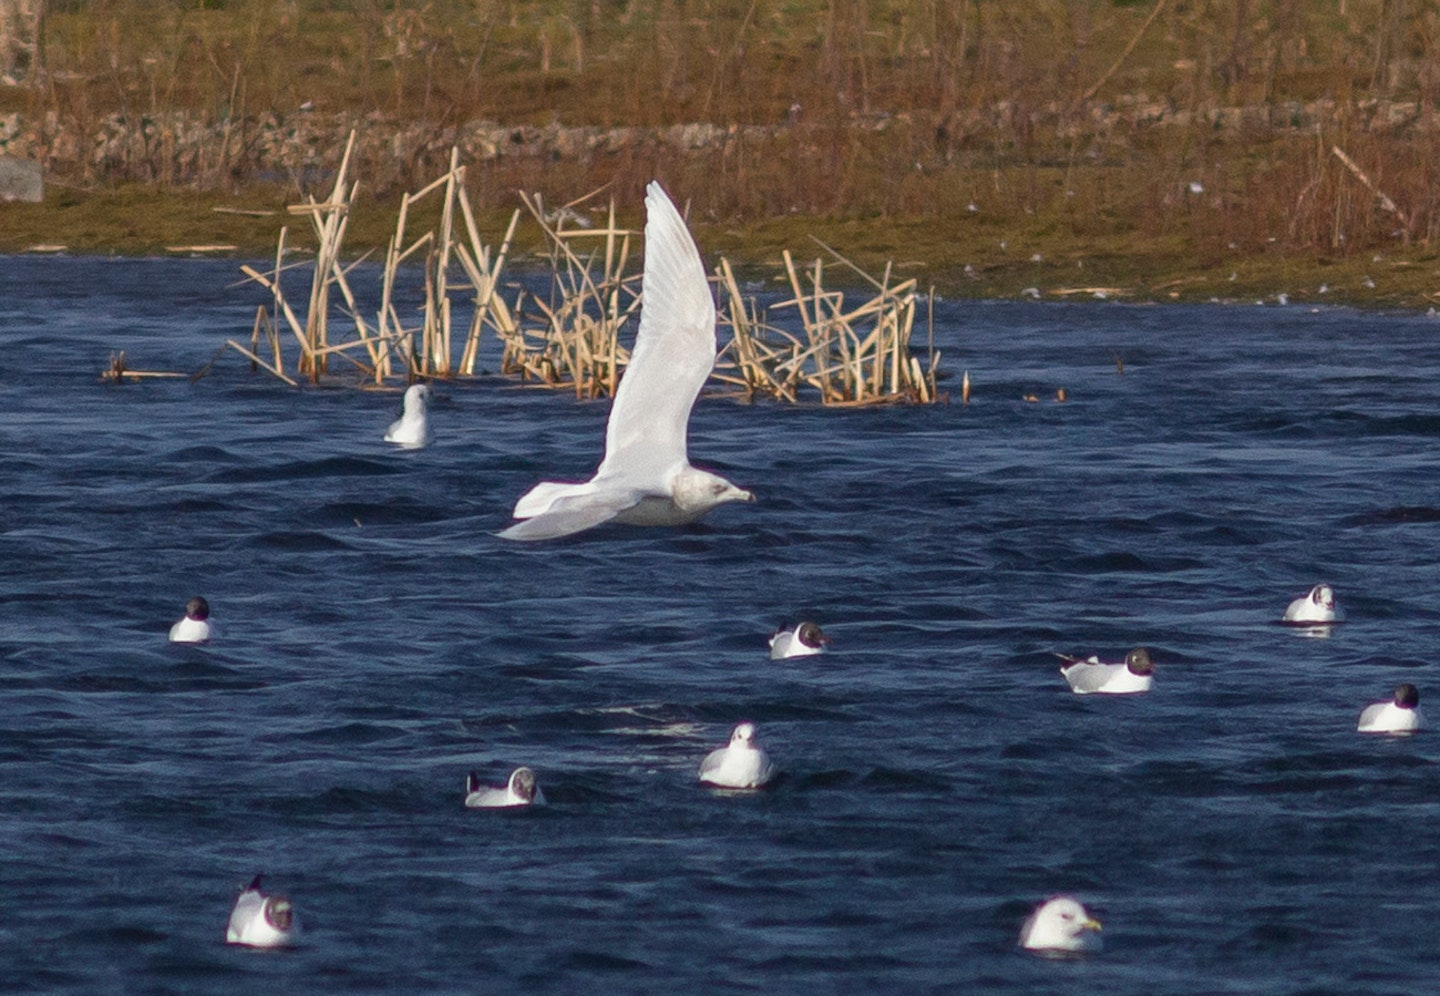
(577, 343)
(385, 347)
(858, 355)
(568, 335)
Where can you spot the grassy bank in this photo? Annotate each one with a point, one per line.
(974, 255)
(1154, 149)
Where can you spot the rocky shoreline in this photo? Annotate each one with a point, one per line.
(182, 148)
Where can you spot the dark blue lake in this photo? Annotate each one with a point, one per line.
(1231, 829)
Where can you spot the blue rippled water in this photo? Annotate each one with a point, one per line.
(1231, 829)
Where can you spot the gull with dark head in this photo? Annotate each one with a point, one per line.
(260, 920)
(1400, 715)
(412, 429)
(741, 765)
(195, 626)
(805, 639)
(645, 478)
(1092, 676)
(520, 790)
(1060, 925)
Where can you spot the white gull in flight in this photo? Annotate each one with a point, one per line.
(645, 478)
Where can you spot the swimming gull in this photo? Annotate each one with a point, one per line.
(1400, 715)
(742, 765)
(1132, 675)
(412, 429)
(521, 790)
(802, 641)
(195, 627)
(645, 478)
(262, 921)
(1317, 607)
(1061, 924)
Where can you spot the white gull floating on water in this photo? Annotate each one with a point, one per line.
(804, 640)
(1316, 607)
(743, 764)
(1061, 924)
(412, 429)
(645, 478)
(1090, 676)
(262, 921)
(520, 790)
(195, 626)
(1400, 715)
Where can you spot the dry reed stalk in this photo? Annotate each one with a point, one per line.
(329, 220)
(485, 276)
(860, 354)
(255, 358)
(579, 344)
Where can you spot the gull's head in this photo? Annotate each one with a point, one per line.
(198, 609)
(279, 913)
(1407, 696)
(1323, 595)
(416, 395)
(522, 784)
(744, 736)
(1138, 662)
(1061, 924)
(699, 491)
(811, 635)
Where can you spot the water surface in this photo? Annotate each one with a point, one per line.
(1232, 830)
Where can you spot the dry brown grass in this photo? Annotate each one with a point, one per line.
(1089, 120)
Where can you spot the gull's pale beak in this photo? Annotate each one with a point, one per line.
(742, 495)
(1091, 924)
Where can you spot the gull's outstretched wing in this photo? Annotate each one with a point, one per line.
(674, 352)
(573, 514)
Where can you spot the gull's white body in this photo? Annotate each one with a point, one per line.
(262, 921)
(1400, 715)
(1091, 677)
(742, 764)
(645, 478)
(802, 641)
(412, 429)
(520, 790)
(189, 630)
(1316, 607)
(195, 626)
(1061, 924)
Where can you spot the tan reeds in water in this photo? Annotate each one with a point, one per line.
(848, 355)
(578, 343)
(854, 356)
(422, 351)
